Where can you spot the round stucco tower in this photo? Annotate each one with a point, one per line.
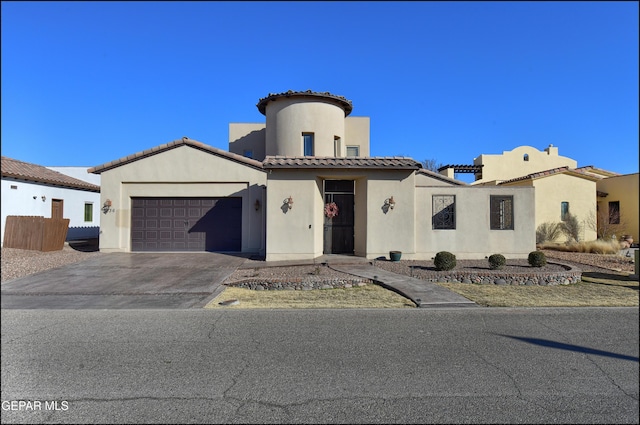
(303, 123)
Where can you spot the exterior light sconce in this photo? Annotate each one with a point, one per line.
(289, 202)
(390, 203)
(106, 207)
(256, 205)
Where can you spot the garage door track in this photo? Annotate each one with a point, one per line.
(124, 280)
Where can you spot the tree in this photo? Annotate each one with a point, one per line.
(431, 164)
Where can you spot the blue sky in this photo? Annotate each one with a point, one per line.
(84, 83)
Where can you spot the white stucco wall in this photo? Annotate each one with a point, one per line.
(248, 136)
(20, 201)
(180, 172)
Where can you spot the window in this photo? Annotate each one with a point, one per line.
(353, 150)
(444, 212)
(248, 153)
(614, 212)
(564, 211)
(526, 157)
(88, 211)
(307, 139)
(337, 147)
(501, 212)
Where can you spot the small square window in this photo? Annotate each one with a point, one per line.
(248, 153)
(353, 151)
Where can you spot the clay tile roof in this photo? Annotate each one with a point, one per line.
(390, 163)
(342, 101)
(12, 168)
(597, 172)
(185, 141)
(566, 170)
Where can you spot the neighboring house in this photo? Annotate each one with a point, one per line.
(272, 194)
(618, 210)
(34, 190)
(563, 191)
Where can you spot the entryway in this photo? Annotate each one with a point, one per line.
(338, 230)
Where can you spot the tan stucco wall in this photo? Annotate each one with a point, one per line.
(472, 237)
(288, 118)
(244, 136)
(180, 172)
(357, 133)
(511, 164)
(551, 191)
(623, 189)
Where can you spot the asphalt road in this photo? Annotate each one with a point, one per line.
(489, 365)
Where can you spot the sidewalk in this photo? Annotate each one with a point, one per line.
(423, 294)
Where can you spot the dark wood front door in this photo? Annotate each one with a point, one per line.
(57, 208)
(186, 224)
(338, 230)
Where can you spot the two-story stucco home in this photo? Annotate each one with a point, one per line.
(300, 185)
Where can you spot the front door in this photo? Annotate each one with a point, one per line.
(57, 206)
(338, 230)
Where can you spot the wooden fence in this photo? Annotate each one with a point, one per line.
(35, 233)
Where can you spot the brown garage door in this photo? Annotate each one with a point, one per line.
(186, 224)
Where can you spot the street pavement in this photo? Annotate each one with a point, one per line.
(444, 365)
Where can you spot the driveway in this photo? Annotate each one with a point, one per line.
(124, 281)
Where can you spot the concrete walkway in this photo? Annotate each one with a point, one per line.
(423, 294)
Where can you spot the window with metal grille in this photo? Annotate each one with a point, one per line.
(501, 211)
(444, 212)
(614, 212)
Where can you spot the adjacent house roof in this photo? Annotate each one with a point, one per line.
(561, 170)
(185, 141)
(597, 172)
(12, 168)
(440, 177)
(342, 101)
(310, 162)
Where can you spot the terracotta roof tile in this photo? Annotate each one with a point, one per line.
(388, 162)
(572, 171)
(12, 168)
(344, 103)
(185, 141)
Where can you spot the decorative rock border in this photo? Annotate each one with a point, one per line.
(297, 284)
(495, 277)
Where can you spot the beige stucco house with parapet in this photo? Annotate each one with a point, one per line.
(595, 196)
(273, 194)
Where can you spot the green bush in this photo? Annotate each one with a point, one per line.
(444, 260)
(497, 261)
(537, 259)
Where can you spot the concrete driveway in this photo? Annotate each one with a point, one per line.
(124, 281)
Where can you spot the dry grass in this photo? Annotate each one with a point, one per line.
(595, 290)
(591, 247)
(370, 296)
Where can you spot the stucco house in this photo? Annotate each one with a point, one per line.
(301, 185)
(33, 190)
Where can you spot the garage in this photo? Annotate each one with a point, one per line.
(186, 224)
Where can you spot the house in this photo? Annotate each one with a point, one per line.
(561, 188)
(301, 185)
(33, 190)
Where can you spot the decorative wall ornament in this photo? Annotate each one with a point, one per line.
(331, 210)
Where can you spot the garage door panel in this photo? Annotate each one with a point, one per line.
(186, 224)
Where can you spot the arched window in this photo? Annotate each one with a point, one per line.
(526, 157)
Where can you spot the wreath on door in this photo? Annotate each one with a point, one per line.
(331, 210)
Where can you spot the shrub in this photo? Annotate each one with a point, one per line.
(444, 260)
(537, 259)
(497, 261)
(548, 232)
(571, 228)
